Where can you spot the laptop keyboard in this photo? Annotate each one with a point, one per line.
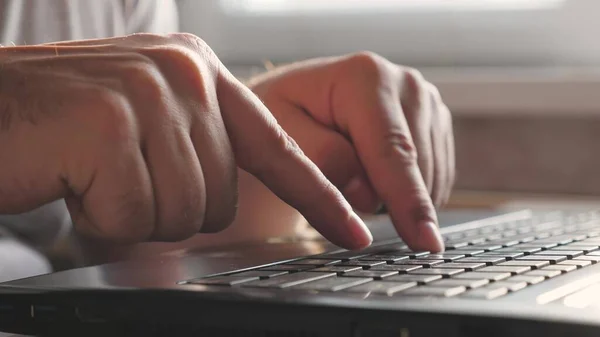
(484, 263)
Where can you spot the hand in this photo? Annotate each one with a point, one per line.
(142, 136)
(378, 131)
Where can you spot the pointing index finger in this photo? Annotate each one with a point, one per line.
(264, 149)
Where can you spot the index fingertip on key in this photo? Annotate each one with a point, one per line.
(359, 232)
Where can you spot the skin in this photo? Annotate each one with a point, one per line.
(176, 137)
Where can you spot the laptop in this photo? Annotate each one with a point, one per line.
(518, 273)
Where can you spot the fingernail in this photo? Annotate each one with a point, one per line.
(360, 232)
(429, 236)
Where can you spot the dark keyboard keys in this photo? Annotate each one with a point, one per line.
(553, 259)
(532, 264)
(515, 270)
(224, 280)
(428, 291)
(286, 281)
(529, 279)
(545, 273)
(376, 274)
(511, 286)
(489, 260)
(399, 268)
(313, 262)
(577, 263)
(332, 284)
(382, 288)
(472, 284)
(486, 293)
(444, 272)
(460, 265)
(562, 268)
(336, 269)
(287, 267)
(421, 279)
(474, 275)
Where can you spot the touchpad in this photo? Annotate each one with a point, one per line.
(580, 294)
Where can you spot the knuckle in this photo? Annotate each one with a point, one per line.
(192, 42)
(398, 144)
(113, 122)
(366, 63)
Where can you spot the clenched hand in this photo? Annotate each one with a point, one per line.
(142, 136)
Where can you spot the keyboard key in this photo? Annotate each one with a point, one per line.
(332, 284)
(474, 275)
(336, 269)
(510, 285)
(286, 281)
(287, 267)
(536, 244)
(376, 274)
(259, 273)
(383, 288)
(507, 256)
(532, 264)
(486, 293)
(385, 258)
(472, 284)
(445, 257)
(575, 246)
(224, 280)
(544, 273)
(576, 263)
(434, 291)
(407, 252)
(523, 250)
(530, 279)
(486, 247)
(553, 259)
(489, 260)
(591, 258)
(593, 254)
(515, 270)
(456, 245)
(344, 256)
(562, 268)
(421, 279)
(459, 265)
(568, 253)
(402, 269)
(444, 272)
(313, 262)
(361, 263)
(424, 263)
(467, 253)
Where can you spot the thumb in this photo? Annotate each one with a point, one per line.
(333, 154)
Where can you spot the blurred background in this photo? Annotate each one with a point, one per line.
(520, 76)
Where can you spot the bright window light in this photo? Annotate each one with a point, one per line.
(320, 6)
